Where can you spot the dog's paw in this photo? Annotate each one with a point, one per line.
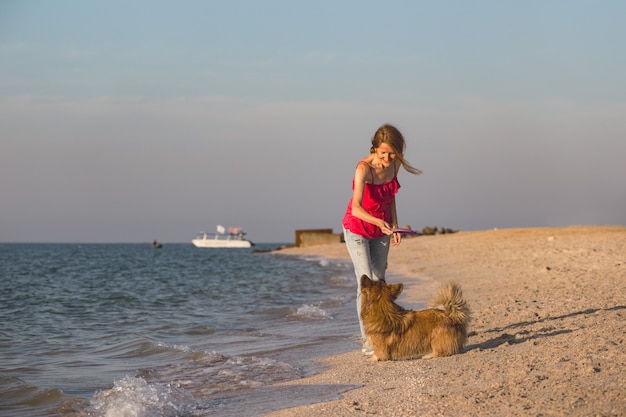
(436, 355)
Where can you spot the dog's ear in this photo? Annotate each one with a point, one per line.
(396, 290)
(365, 281)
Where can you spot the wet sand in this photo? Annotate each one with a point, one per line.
(547, 336)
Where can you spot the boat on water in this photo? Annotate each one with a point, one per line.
(235, 238)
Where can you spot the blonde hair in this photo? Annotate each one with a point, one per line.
(391, 136)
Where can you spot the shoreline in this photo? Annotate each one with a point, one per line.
(547, 335)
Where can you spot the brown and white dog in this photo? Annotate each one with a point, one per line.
(395, 333)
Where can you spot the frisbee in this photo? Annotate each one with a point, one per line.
(404, 230)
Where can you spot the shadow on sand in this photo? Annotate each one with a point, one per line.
(523, 335)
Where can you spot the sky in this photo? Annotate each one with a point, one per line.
(132, 121)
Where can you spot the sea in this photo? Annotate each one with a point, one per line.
(128, 330)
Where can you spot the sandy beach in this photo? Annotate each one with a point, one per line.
(547, 336)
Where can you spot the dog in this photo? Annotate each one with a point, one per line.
(395, 333)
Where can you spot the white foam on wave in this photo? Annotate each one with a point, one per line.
(134, 397)
(324, 262)
(208, 373)
(181, 348)
(309, 311)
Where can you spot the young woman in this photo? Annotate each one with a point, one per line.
(371, 213)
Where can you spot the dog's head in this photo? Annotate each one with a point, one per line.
(375, 290)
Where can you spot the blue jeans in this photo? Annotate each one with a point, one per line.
(369, 257)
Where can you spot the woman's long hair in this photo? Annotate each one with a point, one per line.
(391, 136)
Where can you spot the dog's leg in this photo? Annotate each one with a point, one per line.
(444, 342)
(379, 352)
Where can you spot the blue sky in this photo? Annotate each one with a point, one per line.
(131, 121)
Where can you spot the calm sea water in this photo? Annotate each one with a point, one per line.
(127, 330)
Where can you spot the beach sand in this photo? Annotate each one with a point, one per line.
(547, 336)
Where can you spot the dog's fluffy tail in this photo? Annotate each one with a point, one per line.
(450, 297)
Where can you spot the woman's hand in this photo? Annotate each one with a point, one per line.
(385, 227)
(396, 238)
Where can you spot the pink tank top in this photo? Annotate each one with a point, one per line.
(377, 200)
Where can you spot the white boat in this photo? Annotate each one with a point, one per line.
(233, 239)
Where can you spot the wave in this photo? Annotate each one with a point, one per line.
(17, 398)
(187, 388)
(343, 281)
(21, 393)
(308, 311)
(133, 396)
(136, 348)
